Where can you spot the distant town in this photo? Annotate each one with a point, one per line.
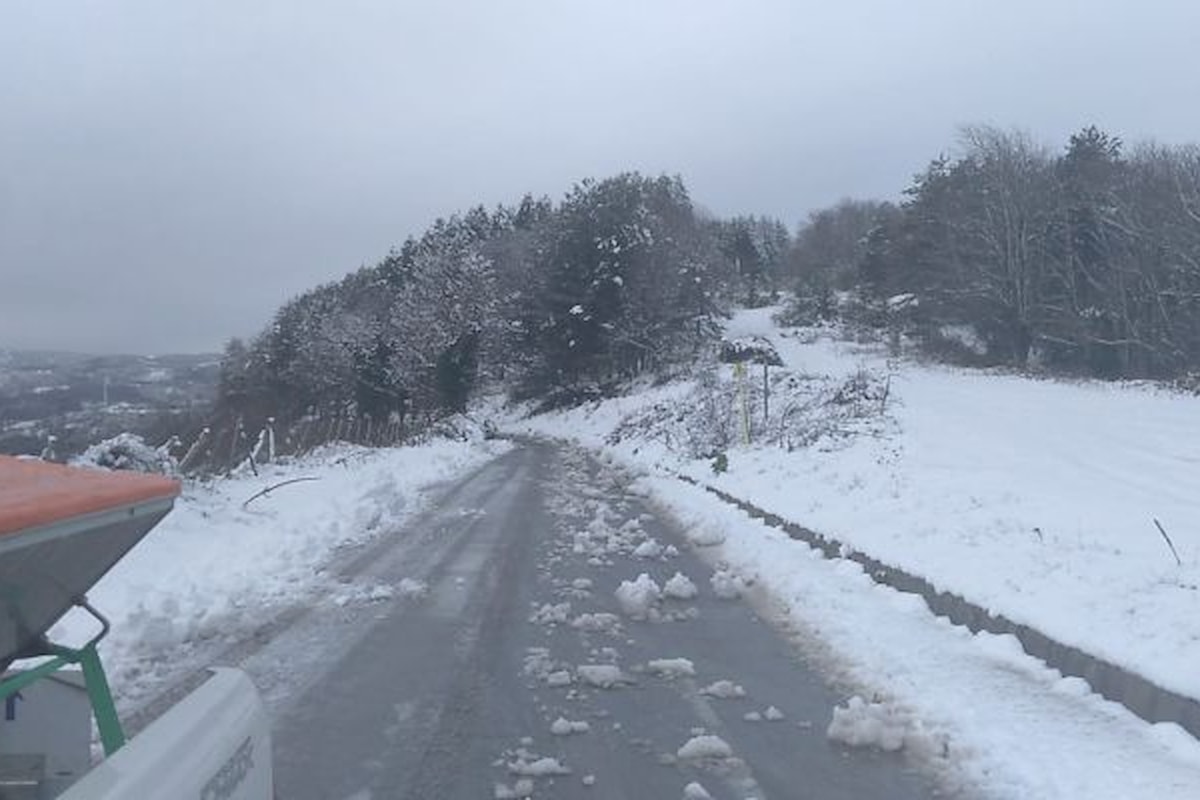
(57, 403)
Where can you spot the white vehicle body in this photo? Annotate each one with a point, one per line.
(215, 744)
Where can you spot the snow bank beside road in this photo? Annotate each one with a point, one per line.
(214, 569)
(997, 720)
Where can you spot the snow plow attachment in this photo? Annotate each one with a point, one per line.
(61, 530)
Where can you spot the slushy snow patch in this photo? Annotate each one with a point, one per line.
(679, 587)
(565, 727)
(638, 597)
(703, 747)
(694, 791)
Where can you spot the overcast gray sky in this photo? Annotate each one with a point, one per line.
(170, 172)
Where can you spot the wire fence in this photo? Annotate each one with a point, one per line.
(223, 448)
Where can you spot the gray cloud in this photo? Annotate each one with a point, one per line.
(171, 172)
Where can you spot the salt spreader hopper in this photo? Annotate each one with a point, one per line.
(61, 530)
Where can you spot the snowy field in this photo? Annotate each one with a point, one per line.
(1035, 499)
(216, 569)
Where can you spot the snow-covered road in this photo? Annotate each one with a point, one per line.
(550, 634)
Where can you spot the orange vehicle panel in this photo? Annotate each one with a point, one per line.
(35, 493)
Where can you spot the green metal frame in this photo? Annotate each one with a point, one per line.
(104, 710)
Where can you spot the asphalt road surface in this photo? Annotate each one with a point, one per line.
(454, 692)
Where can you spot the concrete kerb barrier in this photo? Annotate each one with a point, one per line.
(1145, 699)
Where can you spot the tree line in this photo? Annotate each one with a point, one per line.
(1082, 261)
(558, 301)
(1085, 261)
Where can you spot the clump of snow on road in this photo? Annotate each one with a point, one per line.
(724, 689)
(518, 791)
(565, 727)
(648, 549)
(373, 593)
(772, 714)
(637, 598)
(671, 667)
(540, 666)
(703, 747)
(728, 585)
(558, 678)
(602, 676)
(864, 724)
(598, 622)
(551, 614)
(679, 587)
(694, 791)
(532, 766)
